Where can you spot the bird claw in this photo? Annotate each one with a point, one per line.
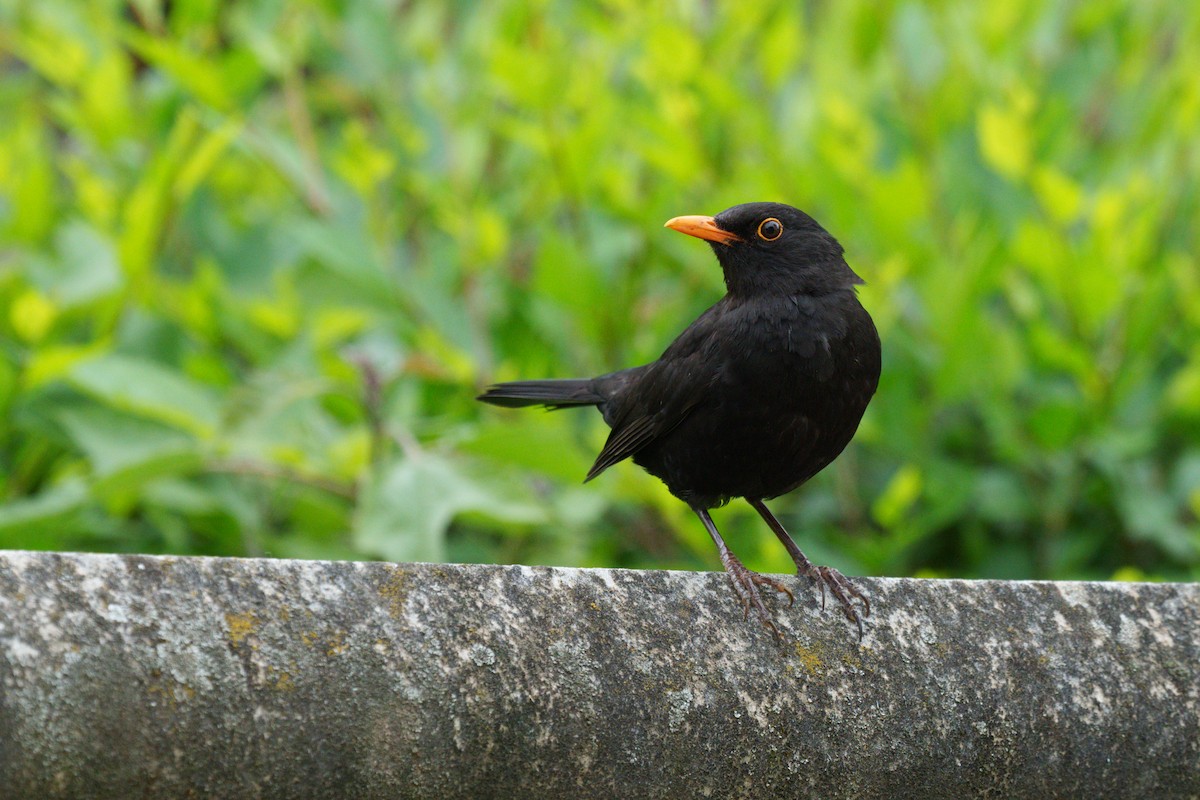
(745, 585)
(842, 590)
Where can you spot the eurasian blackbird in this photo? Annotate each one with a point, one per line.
(759, 394)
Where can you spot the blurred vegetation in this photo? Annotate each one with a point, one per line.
(256, 259)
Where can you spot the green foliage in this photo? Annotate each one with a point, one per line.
(256, 258)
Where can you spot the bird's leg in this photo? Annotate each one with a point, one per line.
(745, 581)
(841, 588)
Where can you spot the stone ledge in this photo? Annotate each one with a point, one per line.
(127, 676)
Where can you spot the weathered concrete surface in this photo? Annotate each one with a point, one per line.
(133, 676)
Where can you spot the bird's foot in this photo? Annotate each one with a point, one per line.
(842, 590)
(745, 585)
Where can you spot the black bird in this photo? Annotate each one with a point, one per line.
(759, 394)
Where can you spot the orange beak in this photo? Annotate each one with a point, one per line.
(702, 228)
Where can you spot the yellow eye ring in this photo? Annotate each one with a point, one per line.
(770, 229)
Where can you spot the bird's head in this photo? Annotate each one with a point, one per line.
(771, 248)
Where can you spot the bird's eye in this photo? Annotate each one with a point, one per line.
(770, 229)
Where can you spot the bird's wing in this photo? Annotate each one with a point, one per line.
(627, 438)
(660, 395)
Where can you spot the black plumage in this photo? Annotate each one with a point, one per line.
(756, 396)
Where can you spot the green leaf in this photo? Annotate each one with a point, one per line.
(921, 53)
(901, 493)
(86, 268)
(32, 315)
(126, 452)
(407, 508)
(53, 512)
(146, 210)
(1056, 422)
(148, 389)
(547, 442)
(1005, 140)
(1151, 514)
(1059, 195)
(194, 73)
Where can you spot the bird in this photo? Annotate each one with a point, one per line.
(759, 394)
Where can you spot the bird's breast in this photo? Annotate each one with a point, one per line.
(786, 398)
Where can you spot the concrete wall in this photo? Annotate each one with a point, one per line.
(135, 676)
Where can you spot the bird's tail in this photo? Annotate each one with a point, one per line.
(549, 393)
